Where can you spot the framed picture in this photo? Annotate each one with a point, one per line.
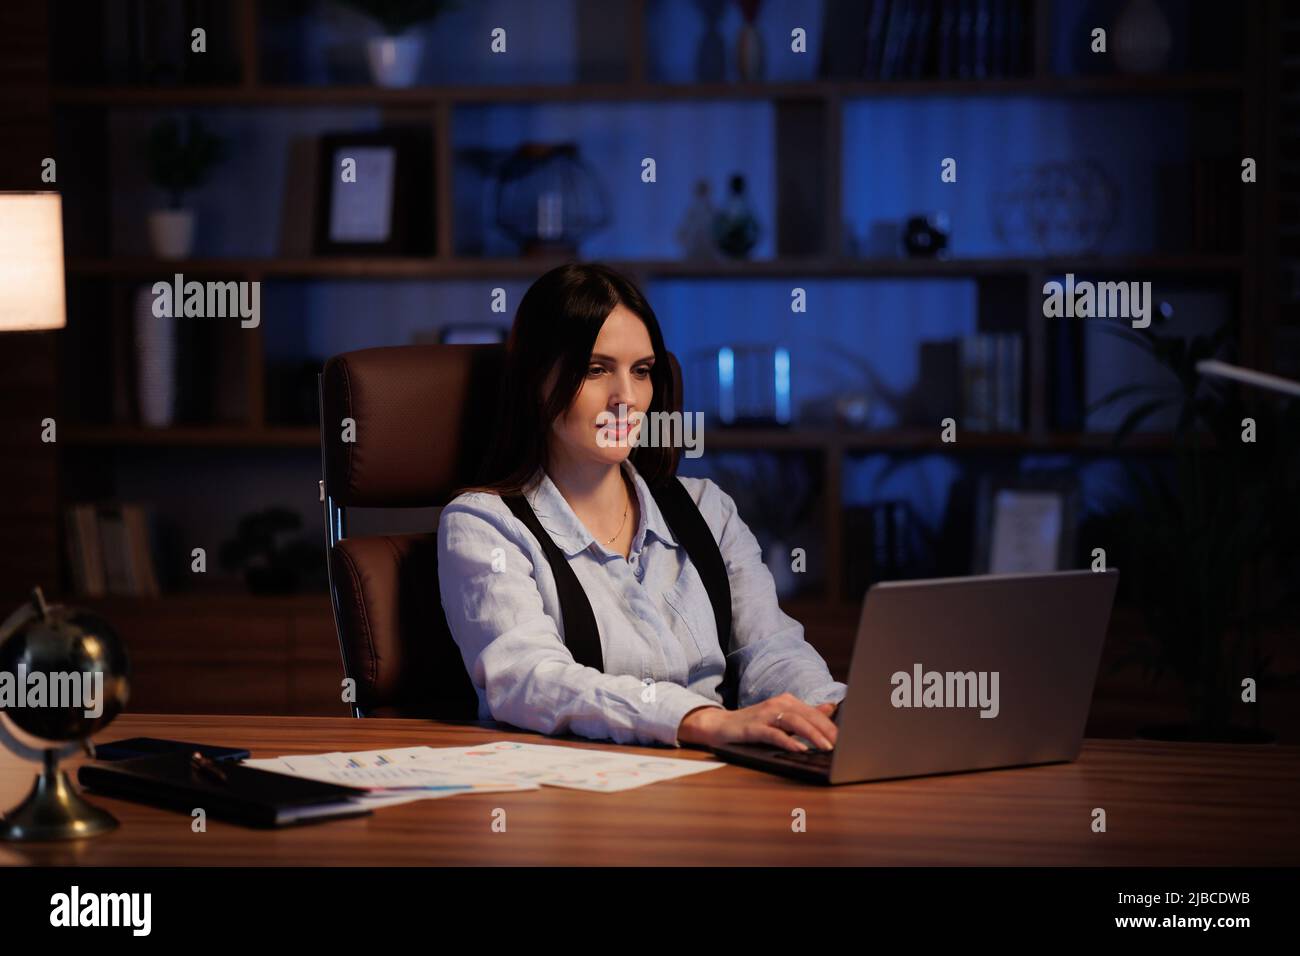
(375, 193)
(1026, 524)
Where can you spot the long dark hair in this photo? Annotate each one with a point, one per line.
(556, 326)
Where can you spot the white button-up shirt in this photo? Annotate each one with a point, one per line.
(657, 631)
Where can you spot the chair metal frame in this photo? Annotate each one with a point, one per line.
(335, 531)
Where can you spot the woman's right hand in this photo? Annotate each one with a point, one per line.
(757, 724)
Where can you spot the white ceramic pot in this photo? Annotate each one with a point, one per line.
(394, 61)
(155, 358)
(171, 233)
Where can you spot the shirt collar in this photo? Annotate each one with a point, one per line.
(571, 535)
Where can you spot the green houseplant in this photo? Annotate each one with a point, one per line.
(180, 157)
(1210, 549)
(394, 57)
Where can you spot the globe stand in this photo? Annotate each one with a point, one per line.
(44, 638)
(54, 810)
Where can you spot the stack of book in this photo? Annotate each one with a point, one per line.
(991, 376)
(925, 39)
(109, 550)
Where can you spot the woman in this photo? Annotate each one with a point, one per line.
(586, 347)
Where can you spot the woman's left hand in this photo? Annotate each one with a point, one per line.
(828, 709)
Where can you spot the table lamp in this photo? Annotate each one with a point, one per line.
(31, 262)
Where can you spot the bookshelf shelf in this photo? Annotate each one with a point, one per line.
(824, 90)
(463, 267)
(822, 439)
(199, 436)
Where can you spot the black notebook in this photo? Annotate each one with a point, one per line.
(249, 796)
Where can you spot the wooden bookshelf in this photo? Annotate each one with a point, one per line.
(226, 650)
(809, 244)
(223, 651)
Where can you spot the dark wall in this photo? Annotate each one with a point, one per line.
(29, 518)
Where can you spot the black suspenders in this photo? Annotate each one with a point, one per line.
(683, 516)
(578, 630)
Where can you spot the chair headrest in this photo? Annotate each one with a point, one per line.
(422, 417)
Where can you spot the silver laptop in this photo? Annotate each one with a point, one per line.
(958, 674)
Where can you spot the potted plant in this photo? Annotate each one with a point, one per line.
(270, 564)
(180, 157)
(394, 57)
(1211, 553)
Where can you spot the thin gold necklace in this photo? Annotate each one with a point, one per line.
(626, 508)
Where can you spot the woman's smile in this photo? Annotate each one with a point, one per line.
(616, 428)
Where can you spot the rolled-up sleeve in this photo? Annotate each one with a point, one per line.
(770, 648)
(513, 650)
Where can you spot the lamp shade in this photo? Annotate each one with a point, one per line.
(31, 262)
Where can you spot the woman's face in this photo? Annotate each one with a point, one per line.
(595, 428)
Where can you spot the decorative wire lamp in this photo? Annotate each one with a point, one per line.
(549, 200)
(1056, 208)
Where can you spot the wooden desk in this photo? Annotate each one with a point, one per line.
(1166, 804)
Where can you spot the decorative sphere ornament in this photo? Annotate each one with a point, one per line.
(64, 675)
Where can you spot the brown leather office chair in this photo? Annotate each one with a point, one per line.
(420, 418)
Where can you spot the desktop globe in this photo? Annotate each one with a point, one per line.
(64, 675)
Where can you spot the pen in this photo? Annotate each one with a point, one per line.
(207, 767)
